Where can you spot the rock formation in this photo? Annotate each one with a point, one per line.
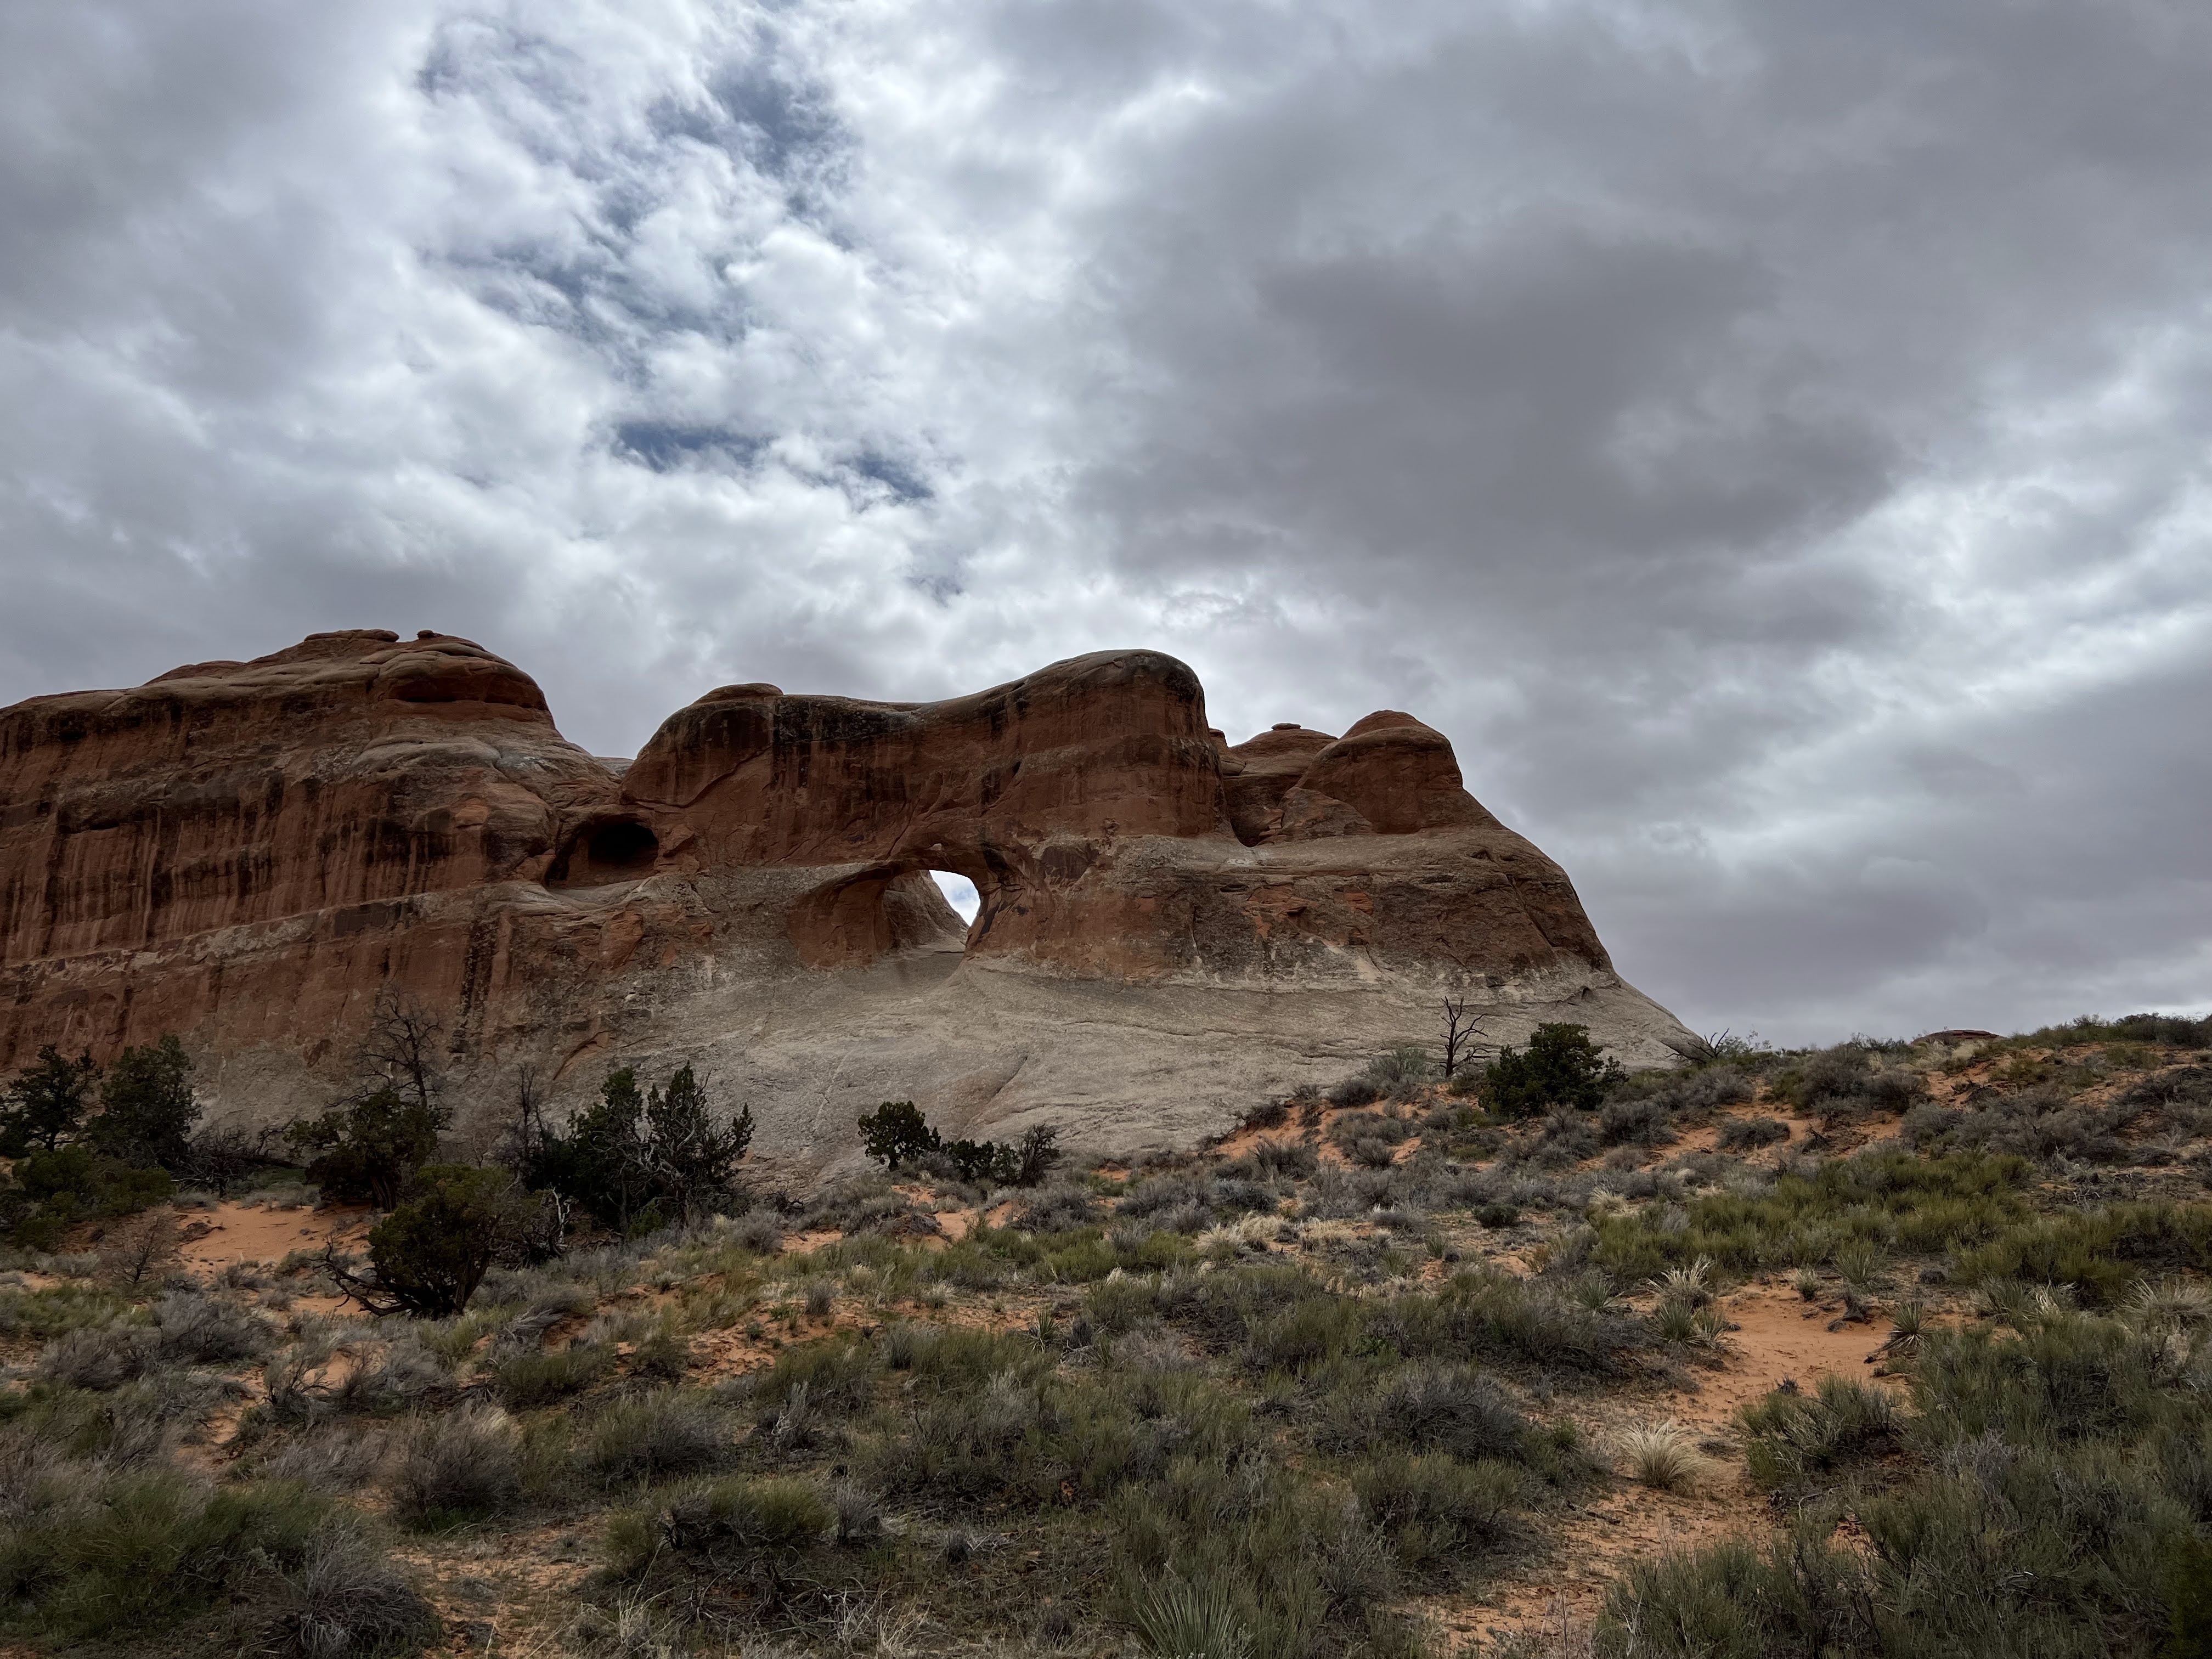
(1171, 926)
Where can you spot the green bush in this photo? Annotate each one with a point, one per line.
(47, 1103)
(2031, 1503)
(432, 1252)
(640, 1159)
(1560, 1067)
(1798, 1440)
(2100, 1253)
(147, 1108)
(461, 1467)
(653, 1438)
(1438, 1513)
(90, 1552)
(1895, 1200)
(732, 1515)
(530, 1380)
(896, 1133)
(1423, 1406)
(368, 1150)
(51, 1192)
(1264, 1558)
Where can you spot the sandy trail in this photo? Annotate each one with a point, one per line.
(1776, 1341)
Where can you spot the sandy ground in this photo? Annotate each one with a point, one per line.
(231, 1233)
(1781, 1337)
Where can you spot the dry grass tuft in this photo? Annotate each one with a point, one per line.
(1662, 1455)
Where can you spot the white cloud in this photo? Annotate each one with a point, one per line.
(1769, 439)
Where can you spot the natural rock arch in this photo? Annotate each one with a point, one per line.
(247, 852)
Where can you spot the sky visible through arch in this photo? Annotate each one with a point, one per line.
(959, 892)
(1769, 439)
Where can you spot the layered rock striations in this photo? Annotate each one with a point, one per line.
(1171, 926)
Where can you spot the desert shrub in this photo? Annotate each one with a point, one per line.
(1849, 1080)
(1173, 1194)
(1568, 1138)
(2043, 1122)
(1267, 1114)
(760, 1231)
(1303, 1336)
(1662, 1455)
(2024, 1505)
(1744, 1134)
(98, 1357)
(1398, 1074)
(1428, 1407)
(838, 1375)
(460, 1467)
(1796, 1440)
(86, 1552)
(1358, 1091)
(204, 1330)
(338, 1458)
(2174, 1030)
(530, 1380)
(1372, 1151)
(2099, 1252)
(859, 1516)
(870, 1204)
(988, 1445)
(1057, 1208)
(1276, 1160)
(1560, 1067)
(1241, 1558)
(1438, 1513)
(347, 1600)
(654, 1437)
(1904, 1203)
(737, 1516)
(2066, 1378)
(1488, 1315)
(399, 1376)
(1646, 1120)
(1391, 1129)
(2002, 1551)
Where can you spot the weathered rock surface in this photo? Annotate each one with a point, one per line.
(1171, 926)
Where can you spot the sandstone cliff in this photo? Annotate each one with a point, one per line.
(1171, 926)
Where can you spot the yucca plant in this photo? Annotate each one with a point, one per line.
(1593, 1291)
(1175, 1618)
(1860, 1264)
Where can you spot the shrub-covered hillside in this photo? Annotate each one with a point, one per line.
(1881, 1349)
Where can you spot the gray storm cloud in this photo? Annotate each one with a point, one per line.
(1769, 439)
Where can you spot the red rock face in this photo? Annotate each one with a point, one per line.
(246, 851)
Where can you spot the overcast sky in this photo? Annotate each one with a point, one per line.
(1769, 439)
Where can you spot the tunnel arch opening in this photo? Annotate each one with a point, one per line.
(898, 909)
